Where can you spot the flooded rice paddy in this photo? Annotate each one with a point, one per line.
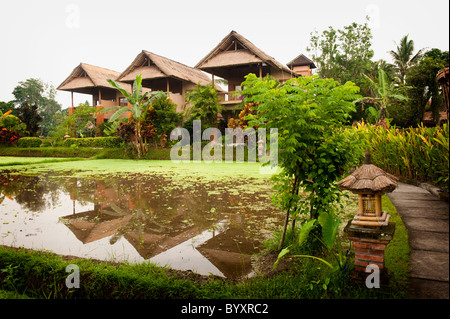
(183, 217)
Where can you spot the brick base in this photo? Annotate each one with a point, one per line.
(368, 251)
(369, 244)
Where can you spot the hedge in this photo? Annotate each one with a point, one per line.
(106, 142)
(29, 142)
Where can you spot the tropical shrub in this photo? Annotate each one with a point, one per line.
(8, 137)
(160, 119)
(29, 142)
(12, 123)
(204, 105)
(242, 121)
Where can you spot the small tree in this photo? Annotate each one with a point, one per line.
(315, 151)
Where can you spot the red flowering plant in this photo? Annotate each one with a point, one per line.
(8, 137)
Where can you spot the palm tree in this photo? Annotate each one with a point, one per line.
(404, 58)
(383, 92)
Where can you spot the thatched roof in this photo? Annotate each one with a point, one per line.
(86, 76)
(301, 60)
(369, 178)
(153, 66)
(231, 58)
(246, 53)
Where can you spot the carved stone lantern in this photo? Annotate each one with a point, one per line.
(370, 183)
(370, 230)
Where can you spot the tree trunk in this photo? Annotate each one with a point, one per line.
(286, 221)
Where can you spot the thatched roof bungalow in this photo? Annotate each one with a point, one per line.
(163, 74)
(235, 57)
(92, 80)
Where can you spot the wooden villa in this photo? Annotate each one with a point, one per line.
(234, 58)
(163, 74)
(92, 80)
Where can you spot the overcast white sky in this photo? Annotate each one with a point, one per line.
(48, 39)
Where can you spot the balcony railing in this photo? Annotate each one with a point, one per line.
(231, 97)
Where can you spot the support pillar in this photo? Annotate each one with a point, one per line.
(369, 245)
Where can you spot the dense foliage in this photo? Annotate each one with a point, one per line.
(140, 105)
(29, 142)
(415, 153)
(108, 142)
(36, 106)
(202, 104)
(344, 54)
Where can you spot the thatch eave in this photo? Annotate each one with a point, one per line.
(85, 77)
(369, 178)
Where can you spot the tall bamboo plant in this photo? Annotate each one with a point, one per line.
(139, 103)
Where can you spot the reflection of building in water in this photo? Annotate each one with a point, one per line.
(116, 214)
(176, 235)
(87, 227)
(230, 251)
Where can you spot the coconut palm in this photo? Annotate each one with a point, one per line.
(404, 57)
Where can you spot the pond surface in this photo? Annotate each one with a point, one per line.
(210, 227)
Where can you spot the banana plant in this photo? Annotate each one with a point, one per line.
(384, 92)
(139, 104)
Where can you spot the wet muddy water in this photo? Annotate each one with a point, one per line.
(208, 227)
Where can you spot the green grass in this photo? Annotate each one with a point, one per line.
(42, 275)
(397, 252)
(154, 153)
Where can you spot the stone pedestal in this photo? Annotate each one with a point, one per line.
(369, 244)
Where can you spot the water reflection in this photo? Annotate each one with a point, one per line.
(205, 227)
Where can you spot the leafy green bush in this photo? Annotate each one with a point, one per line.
(105, 142)
(29, 142)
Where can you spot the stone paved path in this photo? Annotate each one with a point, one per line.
(426, 218)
